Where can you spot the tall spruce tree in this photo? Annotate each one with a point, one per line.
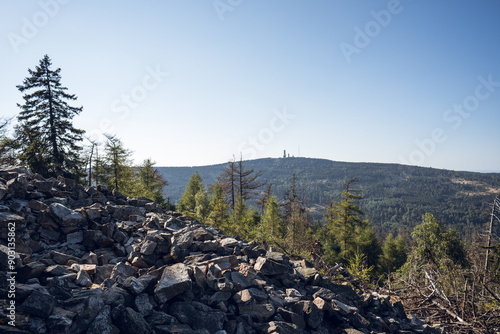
(49, 143)
(343, 218)
(297, 221)
(347, 230)
(151, 182)
(219, 215)
(187, 203)
(119, 173)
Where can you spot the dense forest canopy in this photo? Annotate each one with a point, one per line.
(395, 196)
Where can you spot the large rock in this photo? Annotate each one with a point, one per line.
(61, 258)
(103, 324)
(270, 267)
(132, 322)
(198, 316)
(18, 187)
(283, 328)
(174, 281)
(7, 217)
(143, 304)
(181, 244)
(313, 315)
(39, 304)
(65, 216)
(259, 312)
(91, 308)
(122, 271)
(3, 190)
(125, 212)
(43, 186)
(148, 247)
(60, 320)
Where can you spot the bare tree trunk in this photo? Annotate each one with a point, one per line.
(488, 244)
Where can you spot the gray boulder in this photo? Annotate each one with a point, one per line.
(132, 322)
(103, 324)
(174, 281)
(198, 316)
(39, 304)
(65, 216)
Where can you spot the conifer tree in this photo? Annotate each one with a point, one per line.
(119, 172)
(202, 208)
(271, 228)
(349, 235)
(238, 217)
(187, 203)
(219, 214)
(394, 253)
(150, 182)
(7, 145)
(297, 221)
(49, 143)
(343, 218)
(437, 246)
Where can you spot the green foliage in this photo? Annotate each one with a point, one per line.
(118, 172)
(150, 183)
(297, 221)
(394, 253)
(7, 145)
(202, 208)
(359, 268)
(238, 217)
(394, 196)
(436, 246)
(47, 141)
(271, 229)
(348, 238)
(368, 244)
(219, 214)
(187, 204)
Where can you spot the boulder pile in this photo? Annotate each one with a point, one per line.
(90, 260)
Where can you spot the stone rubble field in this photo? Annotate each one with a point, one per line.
(90, 260)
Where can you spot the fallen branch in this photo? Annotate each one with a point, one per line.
(451, 313)
(491, 293)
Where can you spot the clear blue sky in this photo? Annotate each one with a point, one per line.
(195, 82)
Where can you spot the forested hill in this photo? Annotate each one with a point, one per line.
(395, 196)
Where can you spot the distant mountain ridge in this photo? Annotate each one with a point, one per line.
(395, 196)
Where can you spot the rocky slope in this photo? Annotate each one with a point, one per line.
(92, 261)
